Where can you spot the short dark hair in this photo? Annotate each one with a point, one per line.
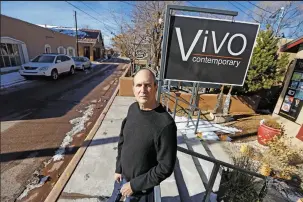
(152, 73)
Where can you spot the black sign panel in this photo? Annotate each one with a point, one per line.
(208, 50)
(293, 99)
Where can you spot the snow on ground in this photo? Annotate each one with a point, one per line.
(95, 63)
(12, 79)
(33, 186)
(123, 58)
(78, 125)
(207, 128)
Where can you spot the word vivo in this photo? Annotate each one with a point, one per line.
(214, 40)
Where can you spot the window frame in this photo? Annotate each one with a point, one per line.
(64, 50)
(47, 46)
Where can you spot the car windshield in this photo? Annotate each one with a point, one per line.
(44, 59)
(78, 59)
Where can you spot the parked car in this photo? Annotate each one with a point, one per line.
(50, 65)
(82, 62)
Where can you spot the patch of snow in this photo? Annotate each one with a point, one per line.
(12, 79)
(59, 154)
(33, 186)
(65, 30)
(207, 128)
(78, 125)
(47, 26)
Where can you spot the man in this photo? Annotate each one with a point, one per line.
(147, 146)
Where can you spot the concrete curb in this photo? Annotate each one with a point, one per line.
(60, 184)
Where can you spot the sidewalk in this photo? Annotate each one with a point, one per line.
(92, 179)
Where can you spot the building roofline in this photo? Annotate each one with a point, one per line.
(48, 29)
(90, 30)
(291, 44)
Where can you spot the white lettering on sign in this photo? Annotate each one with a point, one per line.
(193, 44)
(243, 47)
(218, 62)
(216, 48)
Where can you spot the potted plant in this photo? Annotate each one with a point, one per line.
(267, 130)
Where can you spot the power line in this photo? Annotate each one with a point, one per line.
(249, 9)
(242, 10)
(91, 17)
(191, 3)
(127, 3)
(97, 13)
(260, 7)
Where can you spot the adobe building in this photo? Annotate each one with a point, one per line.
(22, 41)
(288, 109)
(91, 45)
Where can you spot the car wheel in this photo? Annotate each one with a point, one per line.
(72, 70)
(54, 75)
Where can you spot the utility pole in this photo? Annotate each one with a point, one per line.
(76, 34)
(279, 20)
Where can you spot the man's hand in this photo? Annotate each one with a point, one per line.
(118, 177)
(126, 190)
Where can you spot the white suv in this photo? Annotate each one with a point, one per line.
(50, 65)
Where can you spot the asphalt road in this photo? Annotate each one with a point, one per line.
(36, 117)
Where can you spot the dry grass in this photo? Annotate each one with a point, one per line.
(279, 159)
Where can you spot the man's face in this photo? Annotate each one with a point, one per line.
(144, 87)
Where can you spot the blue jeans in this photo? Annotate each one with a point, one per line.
(135, 197)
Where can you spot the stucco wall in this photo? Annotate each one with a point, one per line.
(35, 37)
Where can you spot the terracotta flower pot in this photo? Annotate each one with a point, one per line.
(266, 134)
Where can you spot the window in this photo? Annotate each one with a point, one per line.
(61, 50)
(9, 55)
(66, 58)
(59, 58)
(44, 59)
(70, 51)
(47, 48)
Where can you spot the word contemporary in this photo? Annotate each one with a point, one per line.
(216, 61)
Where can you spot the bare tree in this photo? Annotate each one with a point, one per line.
(149, 16)
(129, 39)
(291, 25)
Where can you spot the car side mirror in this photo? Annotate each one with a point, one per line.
(58, 61)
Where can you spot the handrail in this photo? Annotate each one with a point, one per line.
(215, 170)
(213, 160)
(217, 163)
